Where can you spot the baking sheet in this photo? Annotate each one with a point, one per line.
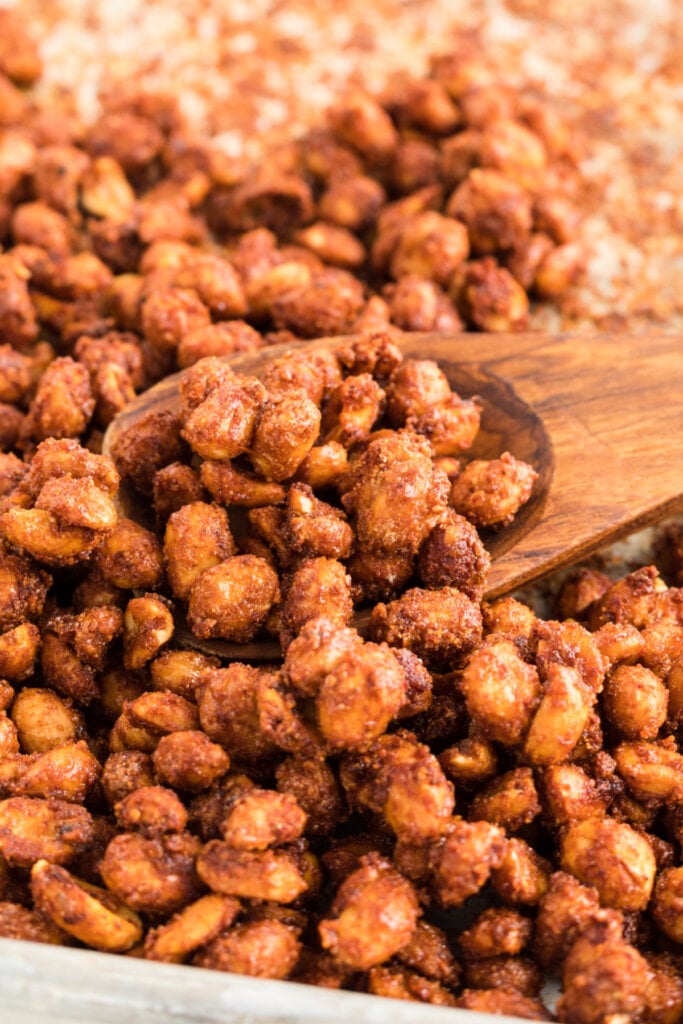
(39, 983)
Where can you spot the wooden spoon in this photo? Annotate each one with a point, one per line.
(599, 417)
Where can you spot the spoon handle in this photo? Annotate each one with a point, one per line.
(612, 408)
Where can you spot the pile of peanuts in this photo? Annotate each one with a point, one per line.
(316, 818)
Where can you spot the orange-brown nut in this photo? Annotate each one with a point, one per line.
(117, 687)
(286, 429)
(629, 600)
(319, 645)
(130, 557)
(318, 587)
(181, 672)
(465, 861)
(495, 210)
(491, 493)
(514, 150)
(188, 760)
(312, 781)
(522, 876)
(314, 527)
(15, 373)
(18, 322)
(215, 281)
(324, 465)
(44, 721)
(36, 224)
(169, 314)
(221, 339)
(569, 794)
(155, 876)
(496, 932)
(565, 910)
(88, 913)
(258, 875)
(231, 486)
(635, 702)
(470, 761)
(359, 696)
(603, 977)
(400, 983)
(222, 426)
(352, 410)
(147, 626)
(517, 973)
(666, 903)
(78, 503)
(329, 304)
(105, 190)
(132, 140)
(17, 922)
(580, 590)
(63, 403)
(429, 953)
(614, 858)
(488, 297)
(417, 304)
(193, 926)
(229, 715)
(124, 772)
(174, 486)
(32, 828)
(66, 457)
(501, 691)
(41, 535)
(414, 387)
(64, 773)
(162, 712)
(88, 634)
(261, 949)
(316, 373)
(18, 651)
(653, 772)
(507, 1002)
(451, 426)
(568, 643)
(197, 538)
(511, 620)
(560, 718)
(261, 818)
(12, 469)
(430, 245)
(153, 442)
(401, 780)
(510, 801)
(395, 495)
(360, 121)
(452, 555)
(440, 626)
(9, 739)
(19, 54)
(281, 720)
(375, 915)
(559, 269)
(379, 576)
(232, 600)
(152, 811)
(334, 245)
(23, 588)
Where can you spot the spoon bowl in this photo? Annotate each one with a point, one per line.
(600, 418)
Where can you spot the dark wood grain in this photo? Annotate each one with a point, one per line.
(600, 418)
